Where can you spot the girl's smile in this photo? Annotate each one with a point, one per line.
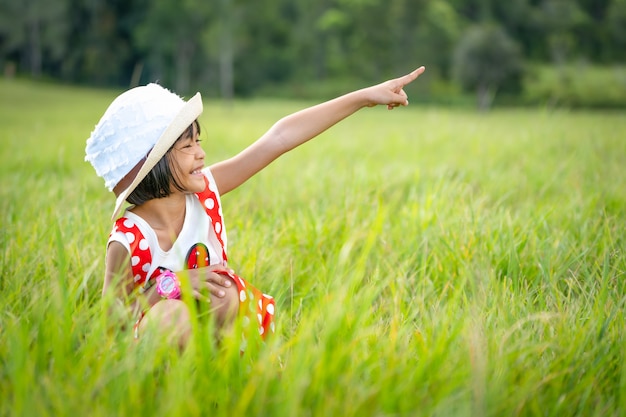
(189, 159)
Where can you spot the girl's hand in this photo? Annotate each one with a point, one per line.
(391, 92)
(212, 280)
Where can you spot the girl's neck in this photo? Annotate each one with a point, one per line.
(165, 216)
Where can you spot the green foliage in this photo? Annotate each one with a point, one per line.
(439, 31)
(257, 65)
(616, 16)
(486, 60)
(32, 29)
(236, 48)
(459, 264)
(170, 37)
(559, 19)
(576, 86)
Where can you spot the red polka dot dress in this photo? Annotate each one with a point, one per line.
(201, 242)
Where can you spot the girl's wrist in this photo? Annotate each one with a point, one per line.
(361, 98)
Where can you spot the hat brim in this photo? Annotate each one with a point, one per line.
(185, 117)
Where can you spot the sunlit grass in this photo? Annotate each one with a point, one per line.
(424, 262)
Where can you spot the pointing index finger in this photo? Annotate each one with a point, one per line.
(413, 75)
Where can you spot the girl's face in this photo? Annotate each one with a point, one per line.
(188, 161)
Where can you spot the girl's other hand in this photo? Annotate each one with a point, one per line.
(391, 92)
(212, 280)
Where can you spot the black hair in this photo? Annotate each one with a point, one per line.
(160, 179)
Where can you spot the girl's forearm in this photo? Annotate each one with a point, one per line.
(298, 128)
(286, 134)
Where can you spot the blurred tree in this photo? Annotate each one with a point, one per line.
(226, 48)
(364, 29)
(487, 59)
(616, 19)
(332, 26)
(559, 19)
(264, 45)
(170, 37)
(517, 18)
(100, 47)
(438, 32)
(378, 39)
(33, 32)
(305, 46)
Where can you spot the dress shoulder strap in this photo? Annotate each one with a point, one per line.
(140, 255)
(211, 204)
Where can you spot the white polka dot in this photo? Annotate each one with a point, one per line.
(242, 296)
(268, 296)
(261, 330)
(146, 267)
(219, 211)
(134, 260)
(270, 309)
(241, 281)
(130, 237)
(260, 304)
(137, 277)
(129, 223)
(206, 259)
(143, 244)
(218, 227)
(209, 203)
(272, 327)
(260, 317)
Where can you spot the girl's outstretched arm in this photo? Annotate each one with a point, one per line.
(297, 128)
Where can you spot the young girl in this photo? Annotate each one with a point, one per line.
(171, 242)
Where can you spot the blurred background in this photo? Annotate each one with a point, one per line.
(569, 53)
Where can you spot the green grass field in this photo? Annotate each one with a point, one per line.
(425, 262)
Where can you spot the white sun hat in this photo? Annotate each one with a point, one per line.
(140, 124)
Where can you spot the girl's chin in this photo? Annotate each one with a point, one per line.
(197, 186)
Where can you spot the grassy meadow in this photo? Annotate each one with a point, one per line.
(425, 262)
